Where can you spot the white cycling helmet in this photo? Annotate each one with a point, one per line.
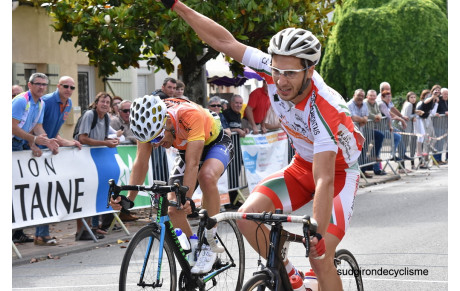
(296, 42)
(147, 117)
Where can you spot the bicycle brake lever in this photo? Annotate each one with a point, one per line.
(111, 190)
(306, 234)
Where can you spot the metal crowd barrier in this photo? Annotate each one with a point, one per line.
(159, 162)
(440, 139)
(235, 170)
(432, 139)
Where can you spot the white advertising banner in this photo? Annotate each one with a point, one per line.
(70, 185)
(263, 154)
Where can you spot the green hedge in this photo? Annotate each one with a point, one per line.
(403, 42)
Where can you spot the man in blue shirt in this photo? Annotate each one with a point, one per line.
(27, 113)
(57, 108)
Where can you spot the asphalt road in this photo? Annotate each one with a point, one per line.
(401, 225)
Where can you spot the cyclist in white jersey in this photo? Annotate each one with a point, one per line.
(319, 126)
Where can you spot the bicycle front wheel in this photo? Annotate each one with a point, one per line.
(259, 282)
(348, 270)
(140, 268)
(230, 237)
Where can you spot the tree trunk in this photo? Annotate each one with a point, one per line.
(194, 76)
(195, 84)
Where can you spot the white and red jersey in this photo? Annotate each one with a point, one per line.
(321, 122)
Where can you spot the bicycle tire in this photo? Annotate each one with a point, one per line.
(231, 279)
(348, 270)
(259, 282)
(131, 266)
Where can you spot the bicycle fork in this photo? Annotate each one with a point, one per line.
(160, 257)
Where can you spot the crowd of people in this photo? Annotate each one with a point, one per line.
(413, 120)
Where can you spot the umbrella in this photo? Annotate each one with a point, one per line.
(218, 73)
(226, 81)
(251, 74)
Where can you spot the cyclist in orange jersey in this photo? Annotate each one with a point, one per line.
(205, 151)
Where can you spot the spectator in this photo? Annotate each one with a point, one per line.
(233, 116)
(428, 104)
(214, 105)
(224, 104)
(57, 107)
(122, 121)
(375, 115)
(98, 136)
(114, 110)
(256, 110)
(180, 88)
(420, 128)
(442, 109)
(28, 112)
(359, 113)
(385, 107)
(443, 102)
(168, 89)
(27, 127)
(385, 86)
(409, 111)
(17, 90)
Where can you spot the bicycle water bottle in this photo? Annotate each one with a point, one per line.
(185, 244)
(296, 282)
(310, 281)
(193, 245)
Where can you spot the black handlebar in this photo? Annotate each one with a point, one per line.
(179, 190)
(310, 225)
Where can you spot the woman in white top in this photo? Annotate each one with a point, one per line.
(414, 125)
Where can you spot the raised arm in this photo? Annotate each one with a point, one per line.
(211, 32)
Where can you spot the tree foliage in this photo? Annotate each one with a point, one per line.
(145, 30)
(403, 42)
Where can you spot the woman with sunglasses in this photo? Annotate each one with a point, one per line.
(215, 105)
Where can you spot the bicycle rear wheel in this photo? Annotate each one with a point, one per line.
(230, 237)
(259, 282)
(348, 270)
(140, 268)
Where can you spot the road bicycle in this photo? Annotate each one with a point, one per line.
(273, 275)
(152, 254)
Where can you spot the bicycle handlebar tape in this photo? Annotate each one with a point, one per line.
(320, 247)
(169, 3)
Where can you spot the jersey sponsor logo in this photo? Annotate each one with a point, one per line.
(313, 121)
(344, 138)
(293, 133)
(266, 61)
(185, 125)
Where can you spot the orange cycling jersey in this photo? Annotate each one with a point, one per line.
(192, 122)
